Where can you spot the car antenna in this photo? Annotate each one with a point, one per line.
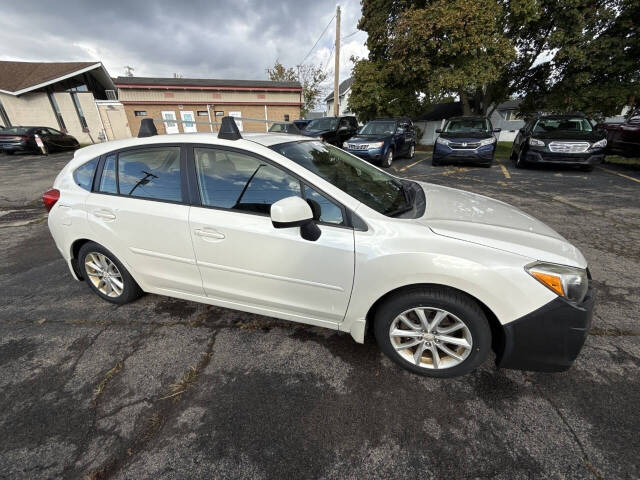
(229, 129)
(147, 128)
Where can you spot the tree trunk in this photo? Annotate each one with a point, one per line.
(464, 100)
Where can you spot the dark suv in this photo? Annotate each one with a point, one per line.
(380, 140)
(559, 140)
(466, 139)
(333, 130)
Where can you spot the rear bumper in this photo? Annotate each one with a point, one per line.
(15, 147)
(588, 158)
(548, 339)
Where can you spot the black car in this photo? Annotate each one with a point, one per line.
(23, 139)
(301, 123)
(559, 140)
(382, 140)
(333, 130)
(466, 139)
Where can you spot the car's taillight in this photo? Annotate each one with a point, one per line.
(50, 197)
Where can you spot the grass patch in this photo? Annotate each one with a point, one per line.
(183, 384)
(503, 150)
(110, 374)
(424, 148)
(617, 160)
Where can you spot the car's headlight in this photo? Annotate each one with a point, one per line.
(443, 141)
(534, 142)
(375, 145)
(345, 145)
(568, 282)
(600, 144)
(487, 141)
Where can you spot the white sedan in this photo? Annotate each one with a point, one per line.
(293, 228)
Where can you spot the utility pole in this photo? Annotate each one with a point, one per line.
(336, 68)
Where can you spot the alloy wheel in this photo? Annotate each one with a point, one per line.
(104, 274)
(412, 151)
(430, 338)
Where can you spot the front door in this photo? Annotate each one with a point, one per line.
(138, 214)
(170, 126)
(187, 116)
(245, 261)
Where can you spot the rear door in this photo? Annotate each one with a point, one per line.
(139, 211)
(246, 262)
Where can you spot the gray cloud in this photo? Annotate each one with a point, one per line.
(236, 39)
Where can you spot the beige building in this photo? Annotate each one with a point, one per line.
(74, 97)
(206, 101)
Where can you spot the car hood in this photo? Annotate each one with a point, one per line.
(593, 136)
(368, 138)
(466, 135)
(475, 218)
(315, 133)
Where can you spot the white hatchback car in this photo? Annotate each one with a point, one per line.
(290, 227)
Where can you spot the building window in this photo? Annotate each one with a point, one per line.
(76, 103)
(286, 118)
(4, 118)
(219, 113)
(56, 111)
(203, 113)
(140, 113)
(511, 115)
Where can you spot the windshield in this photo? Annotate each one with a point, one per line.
(378, 128)
(465, 125)
(362, 181)
(327, 123)
(15, 131)
(567, 124)
(278, 127)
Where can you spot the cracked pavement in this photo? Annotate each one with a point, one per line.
(164, 388)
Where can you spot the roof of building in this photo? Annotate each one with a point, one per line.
(342, 89)
(201, 82)
(21, 77)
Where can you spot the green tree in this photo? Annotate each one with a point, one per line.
(310, 78)
(558, 54)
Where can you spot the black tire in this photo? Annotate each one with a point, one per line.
(520, 162)
(455, 303)
(388, 159)
(435, 163)
(130, 290)
(412, 151)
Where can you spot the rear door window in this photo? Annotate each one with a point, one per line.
(152, 173)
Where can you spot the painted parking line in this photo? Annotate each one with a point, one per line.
(412, 165)
(620, 174)
(505, 172)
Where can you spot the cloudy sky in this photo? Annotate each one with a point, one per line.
(207, 39)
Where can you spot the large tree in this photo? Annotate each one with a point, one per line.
(558, 54)
(310, 78)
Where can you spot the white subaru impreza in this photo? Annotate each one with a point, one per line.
(293, 228)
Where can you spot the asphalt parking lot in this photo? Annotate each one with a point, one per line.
(165, 388)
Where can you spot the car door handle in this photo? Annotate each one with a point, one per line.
(106, 215)
(210, 234)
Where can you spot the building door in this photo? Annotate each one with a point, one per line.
(188, 116)
(170, 127)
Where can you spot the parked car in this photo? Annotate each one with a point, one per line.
(22, 139)
(333, 130)
(466, 139)
(383, 140)
(623, 138)
(559, 140)
(298, 229)
(284, 127)
(301, 123)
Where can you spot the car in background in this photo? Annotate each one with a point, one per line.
(284, 127)
(466, 139)
(23, 139)
(333, 130)
(568, 139)
(301, 123)
(382, 140)
(623, 138)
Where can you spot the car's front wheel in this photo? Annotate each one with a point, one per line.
(388, 159)
(106, 275)
(412, 151)
(520, 161)
(434, 332)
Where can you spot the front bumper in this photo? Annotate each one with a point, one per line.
(482, 154)
(15, 147)
(375, 154)
(548, 339)
(594, 157)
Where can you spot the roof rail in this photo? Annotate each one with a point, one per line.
(147, 128)
(229, 129)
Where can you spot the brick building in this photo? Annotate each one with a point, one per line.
(207, 100)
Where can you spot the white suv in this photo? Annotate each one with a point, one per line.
(293, 228)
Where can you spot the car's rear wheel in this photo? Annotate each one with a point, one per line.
(106, 275)
(388, 159)
(435, 332)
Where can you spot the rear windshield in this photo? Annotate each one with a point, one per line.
(577, 124)
(465, 125)
(323, 124)
(16, 131)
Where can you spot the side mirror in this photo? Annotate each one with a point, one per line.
(400, 130)
(295, 212)
(438, 130)
(496, 130)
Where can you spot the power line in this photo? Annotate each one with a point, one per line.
(319, 38)
(350, 35)
(329, 58)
